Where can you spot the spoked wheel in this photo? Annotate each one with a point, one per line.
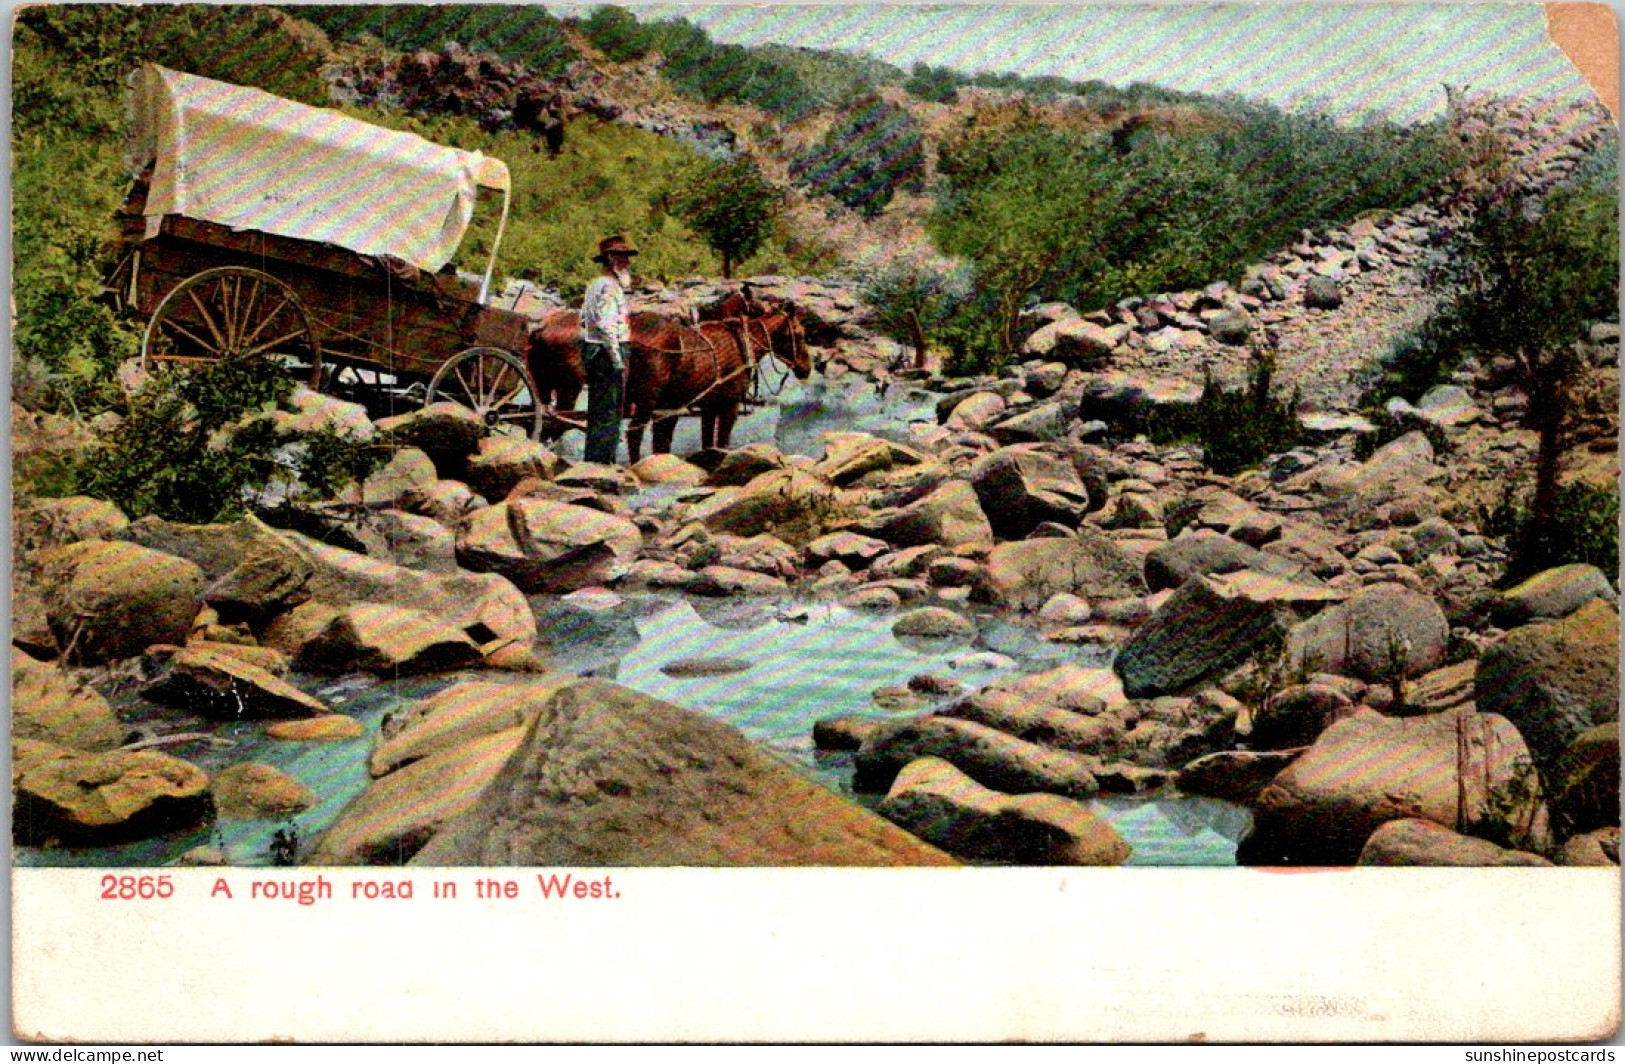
(494, 384)
(231, 313)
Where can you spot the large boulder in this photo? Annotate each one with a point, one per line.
(1074, 341)
(1554, 680)
(1028, 573)
(1553, 595)
(412, 540)
(944, 806)
(1019, 488)
(1379, 628)
(465, 712)
(48, 704)
(254, 791)
(503, 461)
(445, 431)
(989, 756)
(396, 815)
(1412, 842)
(791, 504)
(1584, 788)
(851, 455)
(1459, 769)
(214, 681)
(107, 600)
(543, 545)
(1126, 402)
(44, 523)
(608, 776)
(950, 515)
(1039, 721)
(389, 640)
(104, 798)
(1203, 552)
(1210, 625)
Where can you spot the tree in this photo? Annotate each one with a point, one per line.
(871, 152)
(732, 206)
(1532, 272)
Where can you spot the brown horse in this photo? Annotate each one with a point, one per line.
(707, 369)
(554, 352)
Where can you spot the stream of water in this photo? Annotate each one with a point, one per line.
(799, 662)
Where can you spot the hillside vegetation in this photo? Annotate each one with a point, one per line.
(1034, 189)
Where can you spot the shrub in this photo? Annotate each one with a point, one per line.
(188, 451)
(873, 151)
(1584, 529)
(731, 205)
(1236, 429)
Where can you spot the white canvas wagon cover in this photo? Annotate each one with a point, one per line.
(244, 158)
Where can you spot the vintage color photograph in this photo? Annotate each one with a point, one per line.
(580, 437)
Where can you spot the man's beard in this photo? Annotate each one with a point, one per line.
(623, 277)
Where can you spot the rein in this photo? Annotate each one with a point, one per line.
(740, 327)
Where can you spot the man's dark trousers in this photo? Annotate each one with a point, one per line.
(604, 383)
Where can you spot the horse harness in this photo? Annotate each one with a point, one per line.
(740, 328)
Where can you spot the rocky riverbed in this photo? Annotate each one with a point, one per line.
(905, 620)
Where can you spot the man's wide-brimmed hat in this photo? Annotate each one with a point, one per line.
(613, 244)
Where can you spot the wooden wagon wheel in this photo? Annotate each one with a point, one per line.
(494, 384)
(230, 313)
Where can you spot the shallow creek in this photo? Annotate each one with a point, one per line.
(795, 663)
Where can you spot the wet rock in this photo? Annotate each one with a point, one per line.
(872, 598)
(705, 666)
(253, 791)
(1455, 768)
(331, 728)
(217, 682)
(1075, 687)
(1234, 775)
(954, 571)
(104, 798)
(1019, 488)
(1413, 842)
(1026, 574)
(606, 777)
(547, 546)
(950, 516)
(1552, 595)
(49, 705)
(1210, 625)
(110, 600)
(389, 640)
(1359, 636)
(944, 806)
(1554, 680)
(989, 756)
(934, 622)
(503, 461)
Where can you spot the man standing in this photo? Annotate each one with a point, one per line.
(605, 337)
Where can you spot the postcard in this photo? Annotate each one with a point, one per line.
(790, 523)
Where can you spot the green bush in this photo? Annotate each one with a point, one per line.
(1585, 529)
(873, 151)
(187, 451)
(1236, 429)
